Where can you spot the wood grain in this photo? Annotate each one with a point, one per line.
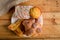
(45, 5)
(51, 17)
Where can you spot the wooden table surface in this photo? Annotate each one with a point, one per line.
(51, 17)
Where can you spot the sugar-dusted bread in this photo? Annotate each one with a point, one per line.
(31, 27)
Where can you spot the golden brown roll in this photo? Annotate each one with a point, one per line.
(35, 12)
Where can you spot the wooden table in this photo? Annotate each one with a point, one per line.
(51, 16)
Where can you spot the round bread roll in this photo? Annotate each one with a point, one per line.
(35, 12)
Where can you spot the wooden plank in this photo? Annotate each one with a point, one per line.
(45, 22)
(51, 21)
(6, 16)
(4, 22)
(48, 31)
(52, 39)
(45, 5)
(45, 15)
(48, 21)
(51, 15)
(23, 39)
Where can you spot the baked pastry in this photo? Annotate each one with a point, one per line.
(28, 23)
(35, 12)
(16, 28)
(31, 27)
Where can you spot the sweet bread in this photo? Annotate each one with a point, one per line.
(35, 12)
(31, 27)
(15, 27)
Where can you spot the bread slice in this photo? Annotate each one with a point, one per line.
(15, 27)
